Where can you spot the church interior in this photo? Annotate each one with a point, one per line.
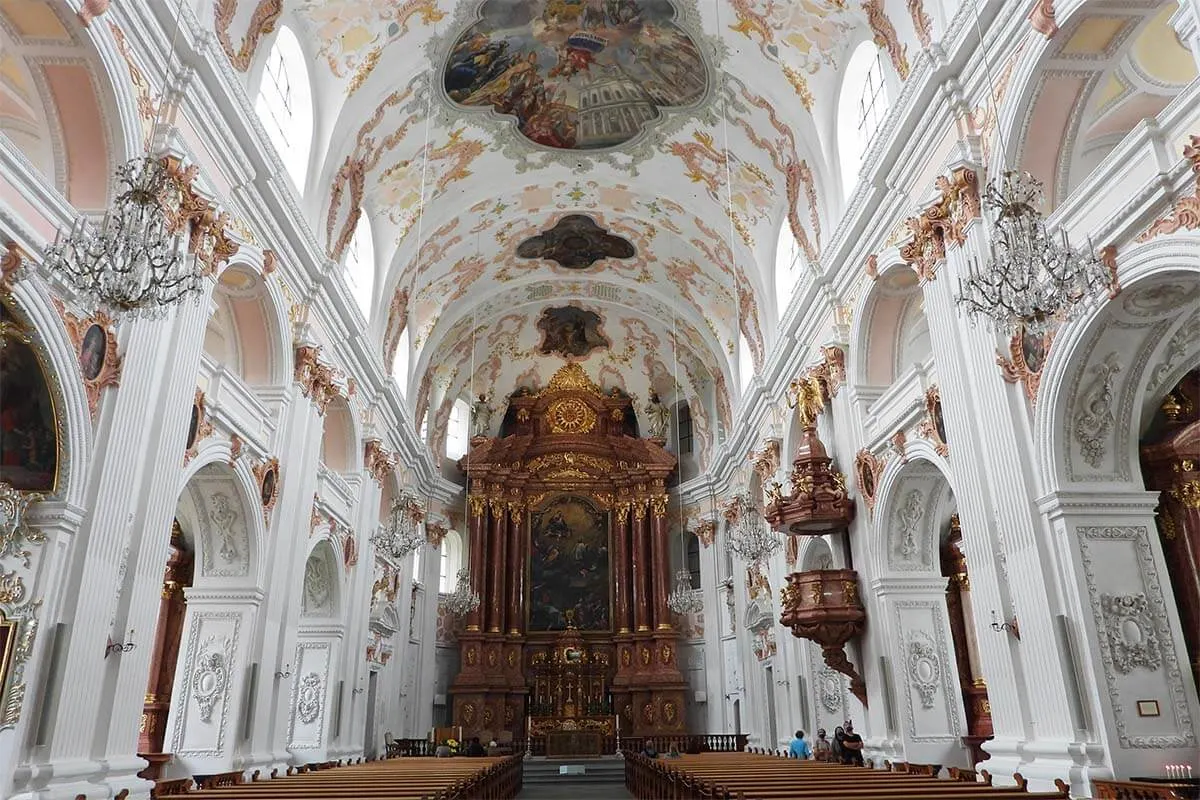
(641, 392)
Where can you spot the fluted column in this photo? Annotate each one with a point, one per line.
(495, 568)
(622, 584)
(516, 570)
(478, 532)
(661, 569)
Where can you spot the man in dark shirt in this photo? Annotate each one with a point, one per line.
(475, 748)
(851, 745)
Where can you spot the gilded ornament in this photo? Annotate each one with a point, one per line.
(571, 415)
(571, 378)
(1187, 493)
(12, 588)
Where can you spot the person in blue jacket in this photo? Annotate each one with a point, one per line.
(799, 747)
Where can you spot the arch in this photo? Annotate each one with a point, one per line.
(58, 103)
(863, 102)
(891, 331)
(914, 502)
(338, 441)
(361, 265)
(221, 519)
(1107, 371)
(1126, 65)
(320, 595)
(816, 555)
(245, 332)
(285, 105)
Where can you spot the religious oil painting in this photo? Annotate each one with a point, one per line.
(568, 566)
(28, 434)
(575, 242)
(92, 352)
(571, 332)
(576, 74)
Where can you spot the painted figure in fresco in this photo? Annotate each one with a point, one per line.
(538, 60)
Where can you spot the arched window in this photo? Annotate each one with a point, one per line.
(284, 104)
(861, 107)
(745, 363)
(400, 364)
(360, 265)
(683, 418)
(451, 562)
(456, 430)
(417, 565)
(787, 266)
(693, 560)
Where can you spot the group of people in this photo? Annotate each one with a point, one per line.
(846, 746)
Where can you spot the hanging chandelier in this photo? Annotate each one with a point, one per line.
(750, 538)
(134, 261)
(683, 599)
(400, 536)
(463, 600)
(1033, 279)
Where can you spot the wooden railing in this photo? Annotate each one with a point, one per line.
(687, 743)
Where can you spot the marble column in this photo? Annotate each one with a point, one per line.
(495, 568)
(661, 561)
(477, 534)
(622, 584)
(639, 563)
(516, 570)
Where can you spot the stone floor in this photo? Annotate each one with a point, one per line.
(571, 790)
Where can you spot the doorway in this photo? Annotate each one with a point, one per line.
(369, 738)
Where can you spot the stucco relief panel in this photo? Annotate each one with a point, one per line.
(204, 684)
(222, 527)
(1134, 642)
(930, 712)
(309, 695)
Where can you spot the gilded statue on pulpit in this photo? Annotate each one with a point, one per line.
(568, 569)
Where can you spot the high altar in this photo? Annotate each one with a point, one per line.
(569, 551)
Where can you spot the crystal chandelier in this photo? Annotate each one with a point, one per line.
(133, 262)
(463, 600)
(750, 538)
(683, 598)
(1033, 279)
(400, 535)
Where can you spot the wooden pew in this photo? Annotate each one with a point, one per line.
(758, 777)
(396, 779)
(1145, 790)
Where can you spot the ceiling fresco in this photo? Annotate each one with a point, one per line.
(575, 242)
(577, 75)
(636, 159)
(571, 332)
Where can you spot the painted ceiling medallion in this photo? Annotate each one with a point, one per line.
(575, 242)
(571, 332)
(577, 75)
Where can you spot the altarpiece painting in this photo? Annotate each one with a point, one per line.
(28, 434)
(569, 566)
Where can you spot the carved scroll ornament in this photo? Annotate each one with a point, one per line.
(199, 428)
(1027, 356)
(95, 340)
(1185, 214)
(942, 223)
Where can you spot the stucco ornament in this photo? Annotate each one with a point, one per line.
(13, 528)
(830, 683)
(208, 683)
(1130, 632)
(308, 703)
(908, 517)
(924, 667)
(318, 590)
(1094, 419)
(223, 517)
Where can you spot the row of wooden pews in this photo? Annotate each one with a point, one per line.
(395, 779)
(747, 776)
